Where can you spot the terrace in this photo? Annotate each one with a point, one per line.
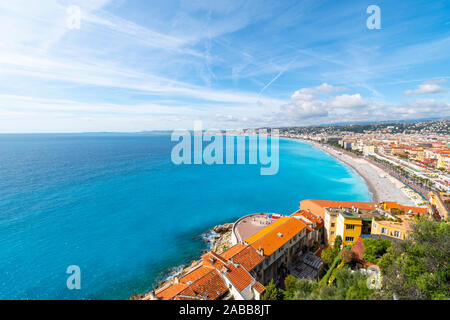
(307, 266)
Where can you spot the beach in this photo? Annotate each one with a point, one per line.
(383, 186)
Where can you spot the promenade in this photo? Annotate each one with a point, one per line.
(383, 186)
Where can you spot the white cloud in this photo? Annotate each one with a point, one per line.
(349, 101)
(305, 105)
(427, 87)
(306, 108)
(323, 88)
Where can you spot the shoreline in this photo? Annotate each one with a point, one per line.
(381, 185)
(374, 195)
(219, 236)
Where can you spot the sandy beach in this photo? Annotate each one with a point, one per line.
(382, 186)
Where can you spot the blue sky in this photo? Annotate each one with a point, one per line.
(157, 65)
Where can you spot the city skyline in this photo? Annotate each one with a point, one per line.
(137, 66)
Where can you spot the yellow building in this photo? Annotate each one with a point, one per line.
(368, 149)
(345, 223)
(351, 219)
(438, 200)
(399, 230)
(348, 226)
(442, 160)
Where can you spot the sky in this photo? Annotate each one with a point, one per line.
(137, 65)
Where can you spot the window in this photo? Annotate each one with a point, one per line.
(375, 226)
(332, 225)
(332, 232)
(350, 226)
(349, 239)
(397, 234)
(384, 231)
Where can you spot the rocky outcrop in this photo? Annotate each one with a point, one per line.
(223, 228)
(223, 241)
(137, 297)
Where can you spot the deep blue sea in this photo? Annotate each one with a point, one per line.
(116, 206)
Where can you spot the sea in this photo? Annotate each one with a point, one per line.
(118, 208)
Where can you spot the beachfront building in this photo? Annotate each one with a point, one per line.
(230, 275)
(397, 229)
(280, 243)
(440, 204)
(350, 220)
(341, 218)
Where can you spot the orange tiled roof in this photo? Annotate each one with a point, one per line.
(233, 250)
(346, 204)
(266, 230)
(187, 294)
(196, 274)
(269, 238)
(418, 210)
(169, 292)
(259, 287)
(212, 259)
(247, 257)
(310, 216)
(210, 286)
(238, 276)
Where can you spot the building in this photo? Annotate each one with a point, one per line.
(284, 245)
(280, 243)
(368, 149)
(228, 275)
(318, 207)
(398, 229)
(314, 225)
(440, 201)
(350, 220)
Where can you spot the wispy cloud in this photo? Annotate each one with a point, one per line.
(229, 63)
(427, 88)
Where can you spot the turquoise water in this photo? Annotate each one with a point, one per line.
(117, 207)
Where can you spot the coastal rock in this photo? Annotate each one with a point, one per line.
(223, 228)
(222, 243)
(137, 297)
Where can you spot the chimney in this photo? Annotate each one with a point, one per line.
(260, 251)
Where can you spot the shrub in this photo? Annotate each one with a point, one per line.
(272, 292)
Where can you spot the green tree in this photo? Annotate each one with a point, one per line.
(337, 243)
(418, 268)
(374, 249)
(290, 283)
(272, 292)
(304, 289)
(328, 255)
